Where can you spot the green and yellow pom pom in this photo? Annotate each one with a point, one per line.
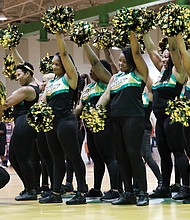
(120, 39)
(102, 39)
(82, 33)
(179, 110)
(10, 36)
(40, 117)
(58, 19)
(8, 115)
(172, 19)
(146, 20)
(46, 65)
(94, 117)
(3, 93)
(123, 19)
(9, 69)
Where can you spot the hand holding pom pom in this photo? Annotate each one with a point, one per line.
(102, 39)
(58, 19)
(8, 115)
(81, 33)
(94, 117)
(40, 117)
(10, 36)
(179, 110)
(3, 93)
(9, 69)
(46, 65)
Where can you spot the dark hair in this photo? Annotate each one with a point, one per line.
(58, 54)
(168, 71)
(106, 65)
(26, 66)
(129, 57)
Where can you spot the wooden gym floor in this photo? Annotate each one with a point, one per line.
(158, 209)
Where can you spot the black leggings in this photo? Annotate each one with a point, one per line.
(170, 139)
(102, 152)
(62, 140)
(147, 155)
(45, 157)
(127, 134)
(70, 170)
(21, 144)
(4, 177)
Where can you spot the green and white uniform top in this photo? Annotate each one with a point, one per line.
(126, 95)
(92, 92)
(59, 96)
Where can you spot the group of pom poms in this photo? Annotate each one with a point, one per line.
(171, 18)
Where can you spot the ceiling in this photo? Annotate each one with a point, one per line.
(27, 13)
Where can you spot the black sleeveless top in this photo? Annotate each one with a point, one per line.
(23, 107)
(162, 92)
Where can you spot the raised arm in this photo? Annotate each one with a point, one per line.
(101, 72)
(105, 97)
(137, 56)
(72, 75)
(152, 51)
(16, 56)
(184, 53)
(110, 60)
(175, 54)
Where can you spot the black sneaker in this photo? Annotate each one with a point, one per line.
(163, 192)
(143, 199)
(26, 195)
(78, 199)
(158, 187)
(51, 199)
(47, 193)
(93, 193)
(184, 193)
(126, 198)
(186, 201)
(110, 195)
(68, 187)
(175, 187)
(38, 190)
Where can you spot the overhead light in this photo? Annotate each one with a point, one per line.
(2, 16)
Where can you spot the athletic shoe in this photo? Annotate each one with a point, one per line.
(186, 201)
(93, 193)
(175, 187)
(143, 199)
(126, 198)
(163, 192)
(47, 193)
(68, 187)
(184, 193)
(78, 199)
(51, 199)
(26, 195)
(110, 195)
